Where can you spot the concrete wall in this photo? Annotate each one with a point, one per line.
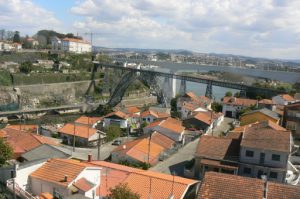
(268, 157)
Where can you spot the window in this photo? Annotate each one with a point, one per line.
(247, 170)
(275, 157)
(273, 175)
(249, 153)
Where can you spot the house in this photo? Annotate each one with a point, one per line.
(282, 99)
(94, 179)
(188, 108)
(231, 106)
(32, 42)
(64, 178)
(17, 46)
(216, 154)
(205, 121)
(138, 151)
(22, 141)
(84, 135)
(150, 116)
(89, 121)
(116, 118)
(266, 103)
(291, 118)
(169, 127)
(191, 97)
(24, 127)
(266, 151)
(75, 45)
(219, 185)
(259, 116)
(134, 114)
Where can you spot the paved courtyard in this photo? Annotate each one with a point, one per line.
(177, 161)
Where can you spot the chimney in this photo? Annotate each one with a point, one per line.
(66, 178)
(89, 157)
(265, 181)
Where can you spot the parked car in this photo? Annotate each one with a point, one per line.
(117, 142)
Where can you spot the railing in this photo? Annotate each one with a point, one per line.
(18, 190)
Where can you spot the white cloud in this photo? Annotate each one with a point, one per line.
(257, 28)
(25, 16)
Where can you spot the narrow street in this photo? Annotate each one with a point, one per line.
(177, 161)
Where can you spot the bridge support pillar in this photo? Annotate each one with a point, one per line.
(208, 92)
(167, 91)
(243, 93)
(182, 89)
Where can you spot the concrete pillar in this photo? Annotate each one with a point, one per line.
(182, 89)
(174, 86)
(208, 92)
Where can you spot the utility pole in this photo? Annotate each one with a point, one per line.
(74, 138)
(99, 145)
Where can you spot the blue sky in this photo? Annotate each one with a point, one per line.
(260, 28)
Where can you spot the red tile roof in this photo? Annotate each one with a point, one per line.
(206, 116)
(87, 120)
(22, 141)
(83, 184)
(75, 40)
(139, 150)
(225, 186)
(119, 114)
(266, 101)
(55, 171)
(133, 109)
(80, 131)
(139, 181)
(25, 127)
(287, 97)
(46, 195)
(162, 140)
(157, 115)
(217, 148)
(279, 191)
(239, 101)
(190, 106)
(172, 124)
(263, 124)
(266, 138)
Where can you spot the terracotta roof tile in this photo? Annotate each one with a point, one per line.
(266, 138)
(139, 181)
(83, 184)
(119, 114)
(162, 140)
(138, 150)
(206, 116)
(287, 97)
(279, 191)
(75, 40)
(46, 195)
(218, 148)
(55, 171)
(133, 109)
(226, 186)
(172, 124)
(22, 141)
(87, 120)
(26, 127)
(266, 101)
(80, 131)
(157, 115)
(239, 101)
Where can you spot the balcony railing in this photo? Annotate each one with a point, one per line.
(18, 190)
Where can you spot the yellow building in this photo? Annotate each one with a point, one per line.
(259, 116)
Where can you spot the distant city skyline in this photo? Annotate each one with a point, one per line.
(257, 28)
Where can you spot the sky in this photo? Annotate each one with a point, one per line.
(258, 28)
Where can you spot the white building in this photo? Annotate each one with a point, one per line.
(71, 45)
(231, 106)
(116, 118)
(282, 99)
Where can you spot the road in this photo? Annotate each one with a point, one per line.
(176, 162)
(82, 153)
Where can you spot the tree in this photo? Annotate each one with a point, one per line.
(26, 67)
(122, 191)
(17, 38)
(6, 152)
(215, 106)
(228, 94)
(112, 132)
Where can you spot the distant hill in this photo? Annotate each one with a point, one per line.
(44, 36)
